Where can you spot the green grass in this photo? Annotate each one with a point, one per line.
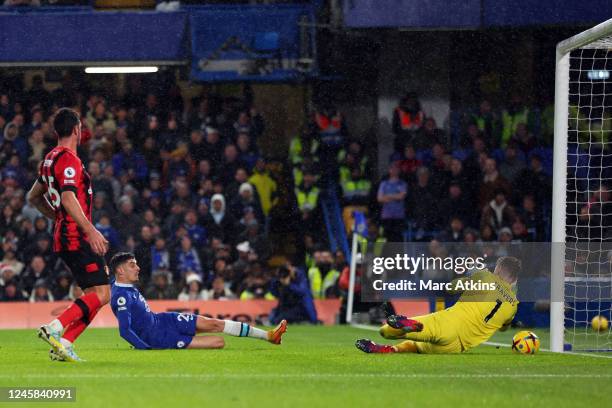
(315, 367)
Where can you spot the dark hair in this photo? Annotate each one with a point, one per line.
(64, 122)
(118, 259)
(511, 265)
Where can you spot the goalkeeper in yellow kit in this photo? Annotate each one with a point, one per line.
(472, 320)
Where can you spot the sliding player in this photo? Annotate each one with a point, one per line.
(63, 192)
(145, 330)
(460, 327)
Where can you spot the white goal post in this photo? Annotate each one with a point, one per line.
(569, 53)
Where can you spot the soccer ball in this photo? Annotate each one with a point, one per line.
(599, 323)
(525, 342)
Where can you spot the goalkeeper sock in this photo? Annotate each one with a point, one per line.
(407, 346)
(239, 329)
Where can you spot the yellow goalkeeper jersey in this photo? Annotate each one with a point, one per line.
(478, 314)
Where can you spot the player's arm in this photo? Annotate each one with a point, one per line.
(125, 327)
(36, 197)
(98, 243)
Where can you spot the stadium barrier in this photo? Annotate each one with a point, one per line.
(26, 315)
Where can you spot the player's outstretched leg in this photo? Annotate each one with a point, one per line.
(207, 342)
(405, 324)
(74, 319)
(239, 329)
(368, 346)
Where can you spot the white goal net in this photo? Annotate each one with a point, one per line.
(582, 192)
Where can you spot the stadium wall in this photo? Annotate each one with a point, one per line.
(26, 315)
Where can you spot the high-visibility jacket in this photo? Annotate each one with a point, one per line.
(296, 150)
(510, 122)
(266, 188)
(307, 200)
(319, 284)
(356, 188)
(409, 121)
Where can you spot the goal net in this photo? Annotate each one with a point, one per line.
(582, 192)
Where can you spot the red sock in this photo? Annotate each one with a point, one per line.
(79, 308)
(77, 327)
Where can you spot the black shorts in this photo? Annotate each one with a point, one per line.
(88, 269)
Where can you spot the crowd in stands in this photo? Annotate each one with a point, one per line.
(179, 183)
(182, 184)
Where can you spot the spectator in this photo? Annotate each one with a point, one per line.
(127, 222)
(188, 259)
(487, 121)
(515, 114)
(534, 181)
(498, 213)
(533, 219)
(112, 236)
(219, 290)
(160, 256)
(492, 182)
(265, 186)
(323, 276)
(408, 118)
(294, 298)
(61, 289)
(160, 288)
(130, 163)
(37, 269)
(193, 289)
(246, 200)
(423, 203)
(220, 222)
(391, 195)
(409, 163)
(144, 252)
(196, 232)
(307, 197)
(456, 205)
(512, 165)
(41, 292)
(12, 293)
(524, 139)
(428, 135)
(9, 259)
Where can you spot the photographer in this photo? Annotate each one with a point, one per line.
(295, 302)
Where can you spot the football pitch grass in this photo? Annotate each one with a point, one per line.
(314, 367)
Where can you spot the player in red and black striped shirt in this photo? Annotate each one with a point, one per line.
(63, 193)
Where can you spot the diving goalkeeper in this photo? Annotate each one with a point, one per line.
(144, 329)
(473, 319)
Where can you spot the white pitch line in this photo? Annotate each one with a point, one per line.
(495, 344)
(299, 376)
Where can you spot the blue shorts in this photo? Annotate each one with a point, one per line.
(173, 331)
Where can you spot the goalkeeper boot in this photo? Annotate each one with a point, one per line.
(368, 346)
(404, 323)
(275, 336)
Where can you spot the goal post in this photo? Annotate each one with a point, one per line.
(584, 105)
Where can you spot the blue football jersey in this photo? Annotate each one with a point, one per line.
(136, 321)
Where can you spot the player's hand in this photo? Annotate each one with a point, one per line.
(98, 243)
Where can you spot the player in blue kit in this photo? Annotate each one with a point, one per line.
(146, 330)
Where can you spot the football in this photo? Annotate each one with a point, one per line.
(525, 342)
(599, 323)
